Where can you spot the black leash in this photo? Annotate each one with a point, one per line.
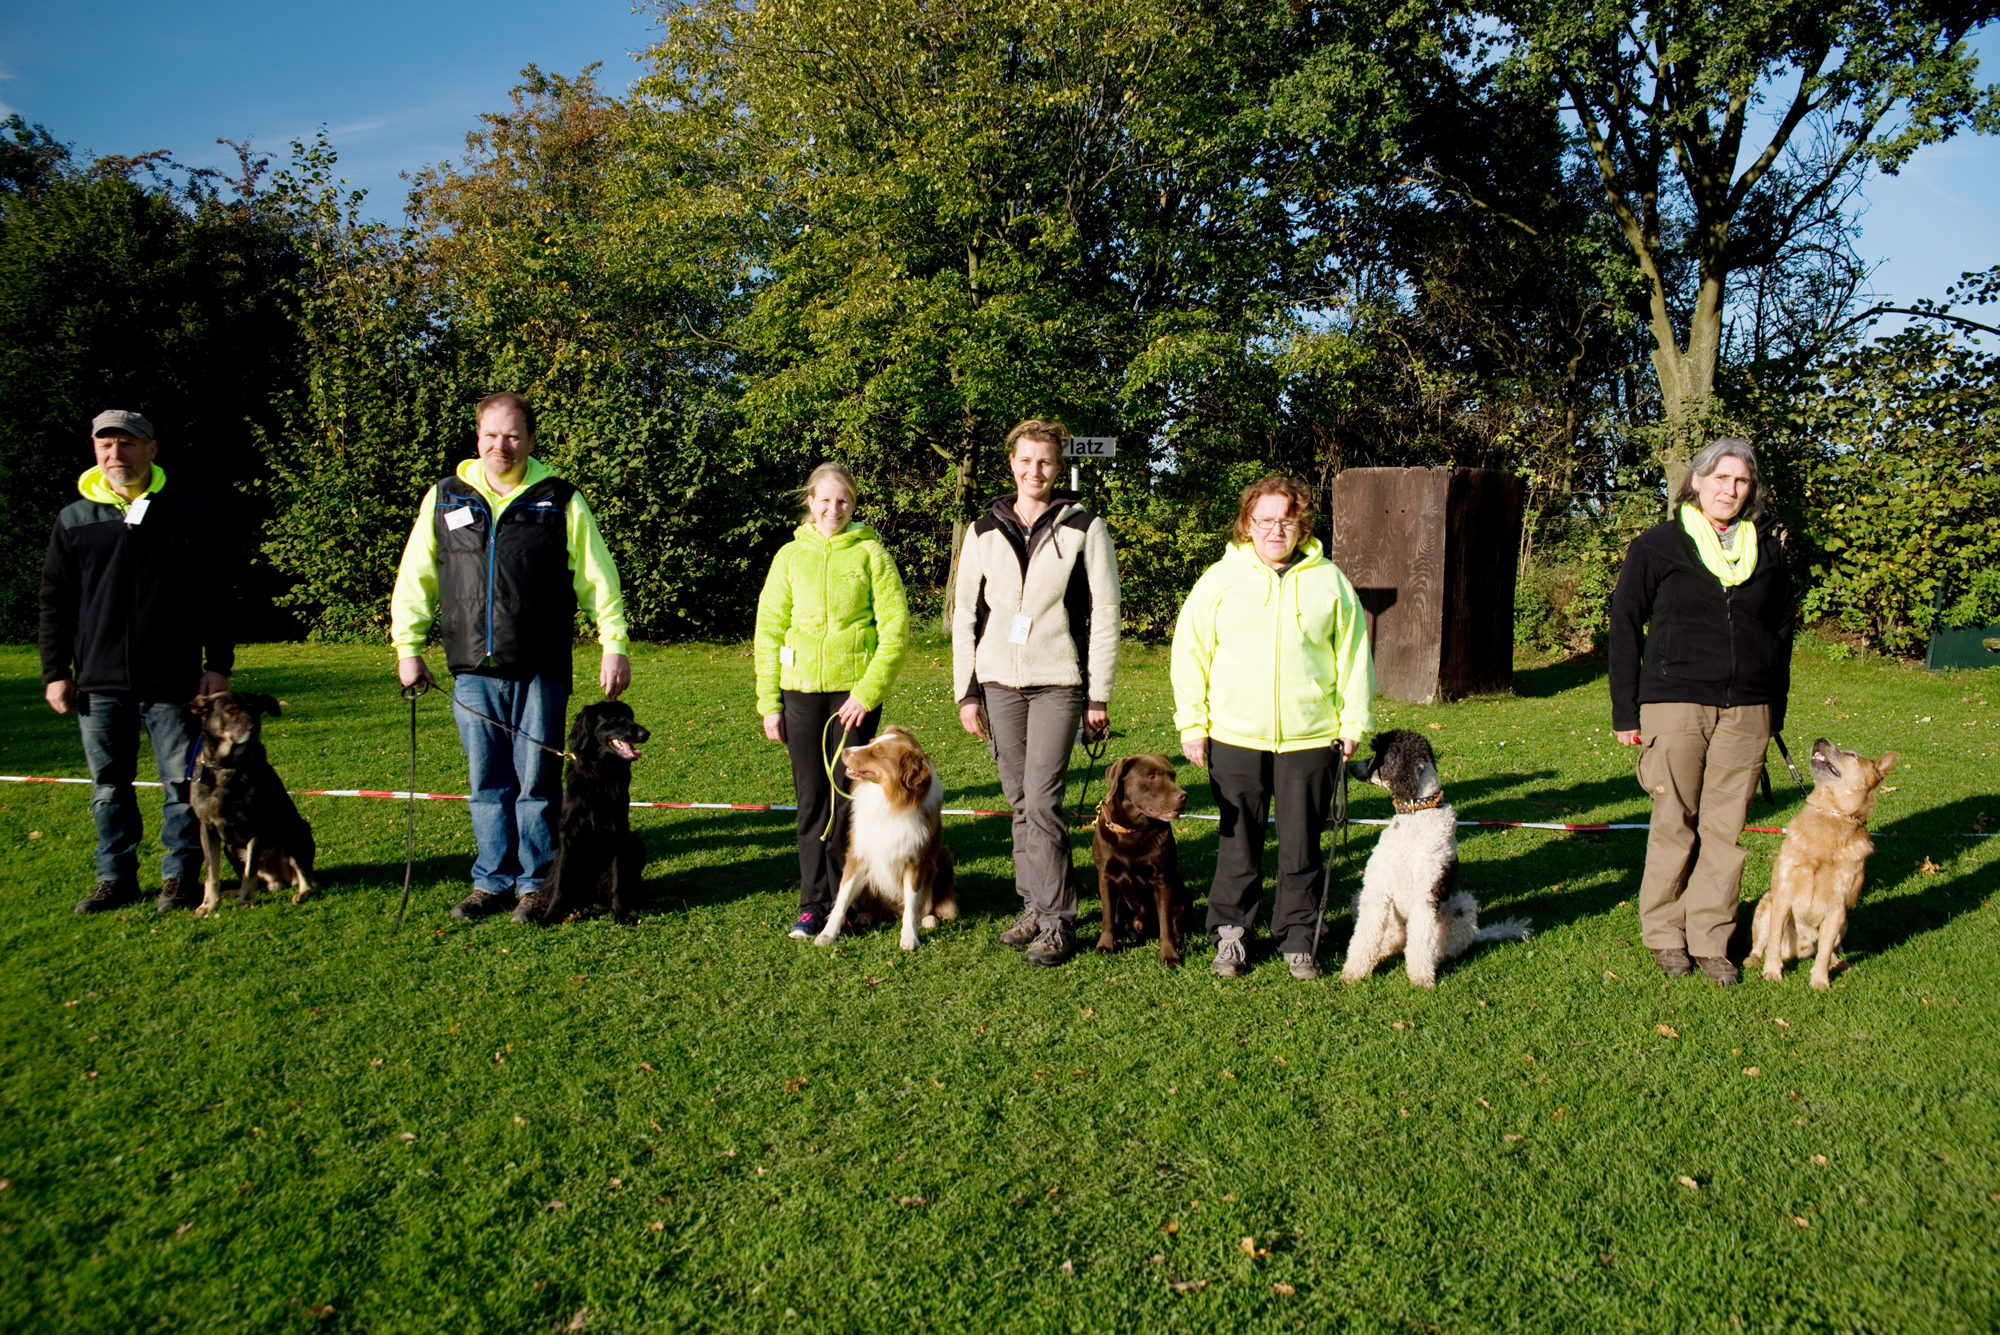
(1797, 778)
(1340, 832)
(412, 694)
(1093, 750)
(532, 741)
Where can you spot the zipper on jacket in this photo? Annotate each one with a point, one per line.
(1729, 622)
(492, 545)
(1277, 658)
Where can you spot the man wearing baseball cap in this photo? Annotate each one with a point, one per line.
(134, 625)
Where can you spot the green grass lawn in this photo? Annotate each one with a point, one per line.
(285, 1118)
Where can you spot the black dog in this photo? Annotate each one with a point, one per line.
(598, 858)
(245, 812)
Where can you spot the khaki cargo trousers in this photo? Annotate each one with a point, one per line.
(1699, 764)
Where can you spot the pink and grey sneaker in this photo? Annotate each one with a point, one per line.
(809, 925)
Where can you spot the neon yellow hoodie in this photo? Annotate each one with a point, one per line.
(1270, 662)
(832, 617)
(413, 603)
(93, 487)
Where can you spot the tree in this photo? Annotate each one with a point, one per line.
(1720, 127)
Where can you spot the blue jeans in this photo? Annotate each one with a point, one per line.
(516, 786)
(110, 727)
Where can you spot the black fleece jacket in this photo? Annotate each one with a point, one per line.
(1678, 636)
(134, 607)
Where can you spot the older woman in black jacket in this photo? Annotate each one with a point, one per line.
(1701, 655)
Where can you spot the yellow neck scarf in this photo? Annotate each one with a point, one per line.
(1732, 568)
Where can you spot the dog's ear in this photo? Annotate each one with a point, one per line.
(581, 734)
(916, 770)
(261, 704)
(1885, 764)
(200, 706)
(1114, 778)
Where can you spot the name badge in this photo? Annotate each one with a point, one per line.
(786, 656)
(1019, 635)
(459, 518)
(136, 514)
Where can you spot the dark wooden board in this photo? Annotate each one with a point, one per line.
(1483, 540)
(1389, 540)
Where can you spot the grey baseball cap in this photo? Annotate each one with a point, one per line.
(117, 419)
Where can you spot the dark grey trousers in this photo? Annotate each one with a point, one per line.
(806, 731)
(1244, 783)
(1032, 732)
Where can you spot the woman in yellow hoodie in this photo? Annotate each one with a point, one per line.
(832, 624)
(1272, 683)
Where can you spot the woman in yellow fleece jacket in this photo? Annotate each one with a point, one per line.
(832, 623)
(1272, 682)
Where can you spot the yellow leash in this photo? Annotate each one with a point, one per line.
(831, 760)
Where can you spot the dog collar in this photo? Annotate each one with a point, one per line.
(1431, 803)
(1105, 822)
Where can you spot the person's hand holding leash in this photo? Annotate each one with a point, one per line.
(614, 675)
(968, 717)
(413, 670)
(850, 713)
(774, 727)
(1096, 724)
(212, 683)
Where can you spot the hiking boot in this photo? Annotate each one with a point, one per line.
(1025, 929)
(1054, 944)
(1719, 968)
(530, 904)
(810, 924)
(1673, 961)
(1232, 954)
(109, 893)
(177, 892)
(482, 904)
(1304, 967)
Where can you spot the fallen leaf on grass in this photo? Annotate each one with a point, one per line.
(1666, 1031)
(1612, 976)
(909, 1200)
(1801, 1221)
(1782, 1022)
(645, 1066)
(1171, 1227)
(90, 1075)
(1228, 1074)
(1929, 868)
(1159, 1258)
(1483, 1103)
(576, 978)
(1089, 1011)
(1402, 1112)
(5, 1183)
(520, 1121)
(1818, 1161)
(577, 1322)
(34, 834)
(729, 1154)
(1689, 1182)
(374, 1061)
(1752, 1071)
(1604, 1259)
(323, 1312)
(1188, 1285)
(1282, 1062)
(182, 1231)
(1249, 1247)
(1403, 1024)
(552, 1205)
(657, 1226)
(617, 1182)
(1437, 727)
(1513, 1138)
(1055, 1190)
(408, 1135)
(69, 1003)
(1283, 1290)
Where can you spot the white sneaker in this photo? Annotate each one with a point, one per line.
(1232, 955)
(1304, 967)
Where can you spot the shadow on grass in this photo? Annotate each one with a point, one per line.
(1544, 682)
(1907, 901)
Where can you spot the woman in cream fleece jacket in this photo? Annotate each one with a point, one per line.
(1034, 639)
(1272, 682)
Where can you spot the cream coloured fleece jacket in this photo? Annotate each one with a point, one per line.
(1062, 577)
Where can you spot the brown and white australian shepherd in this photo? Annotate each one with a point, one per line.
(897, 864)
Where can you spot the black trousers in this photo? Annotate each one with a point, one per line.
(1244, 783)
(810, 740)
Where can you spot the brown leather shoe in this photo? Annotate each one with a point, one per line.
(1673, 961)
(1719, 968)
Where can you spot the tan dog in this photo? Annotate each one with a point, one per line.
(1818, 875)
(897, 864)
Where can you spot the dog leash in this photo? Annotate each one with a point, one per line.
(532, 741)
(832, 760)
(1796, 776)
(1093, 752)
(412, 694)
(1340, 834)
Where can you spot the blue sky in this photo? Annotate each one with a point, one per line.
(398, 86)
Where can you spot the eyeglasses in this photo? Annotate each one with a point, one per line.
(1274, 525)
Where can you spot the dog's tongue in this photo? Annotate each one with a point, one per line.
(625, 749)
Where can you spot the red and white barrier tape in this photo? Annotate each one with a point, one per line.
(948, 811)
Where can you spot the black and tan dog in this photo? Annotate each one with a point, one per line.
(598, 858)
(1138, 869)
(246, 815)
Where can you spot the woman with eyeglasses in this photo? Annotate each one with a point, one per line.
(1272, 683)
